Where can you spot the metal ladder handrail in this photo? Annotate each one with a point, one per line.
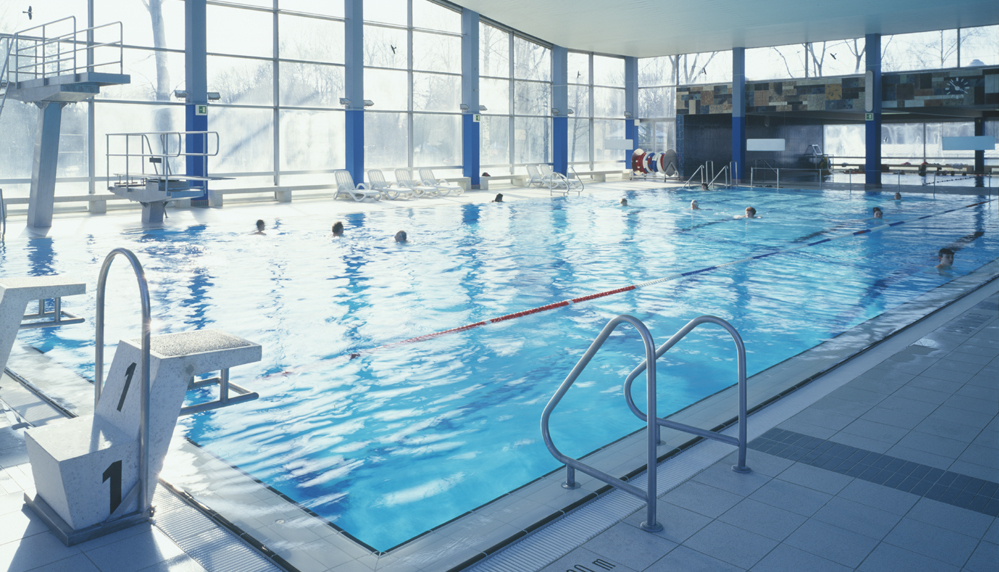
(571, 464)
(4, 82)
(3, 216)
(752, 174)
(40, 43)
(720, 173)
(740, 349)
(699, 170)
(140, 275)
(165, 137)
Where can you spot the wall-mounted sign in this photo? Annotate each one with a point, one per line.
(868, 117)
(201, 110)
(476, 118)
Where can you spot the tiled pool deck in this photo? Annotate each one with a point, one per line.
(920, 429)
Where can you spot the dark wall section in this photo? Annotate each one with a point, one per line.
(704, 138)
(798, 134)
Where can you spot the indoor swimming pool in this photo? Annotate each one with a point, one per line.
(387, 440)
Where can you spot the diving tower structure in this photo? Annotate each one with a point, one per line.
(52, 65)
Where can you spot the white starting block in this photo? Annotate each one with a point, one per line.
(15, 293)
(87, 470)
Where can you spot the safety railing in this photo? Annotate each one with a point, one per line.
(54, 48)
(572, 465)
(752, 174)
(726, 180)
(3, 216)
(700, 171)
(140, 275)
(739, 442)
(6, 43)
(132, 158)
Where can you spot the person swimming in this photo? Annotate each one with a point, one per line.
(750, 213)
(260, 227)
(400, 236)
(693, 206)
(624, 202)
(946, 258)
(898, 196)
(338, 228)
(704, 186)
(877, 212)
(499, 198)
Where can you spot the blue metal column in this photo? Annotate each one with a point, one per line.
(354, 84)
(196, 60)
(872, 110)
(560, 101)
(631, 106)
(470, 160)
(738, 114)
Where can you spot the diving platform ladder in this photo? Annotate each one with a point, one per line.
(96, 474)
(52, 65)
(149, 167)
(653, 422)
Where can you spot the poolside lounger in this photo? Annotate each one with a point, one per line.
(345, 185)
(559, 183)
(389, 190)
(405, 178)
(428, 179)
(534, 176)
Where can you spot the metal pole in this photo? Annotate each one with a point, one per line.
(140, 276)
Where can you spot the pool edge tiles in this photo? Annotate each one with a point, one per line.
(305, 542)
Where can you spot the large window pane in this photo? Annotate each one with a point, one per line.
(531, 98)
(608, 71)
(775, 62)
(154, 24)
(531, 61)
(579, 140)
(155, 75)
(656, 71)
(494, 146)
(386, 11)
(495, 95)
(531, 140)
(241, 80)
(657, 102)
(435, 17)
(132, 118)
(608, 102)
(903, 140)
(980, 46)
(310, 39)
(321, 7)
(312, 140)
(925, 50)
(579, 100)
(841, 57)
(707, 67)
(579, 68)
(494, 52)
(436, 92)
(239, 32)
(246, 140)
(935, 132)
(603, 131)
(311, 85)
(436, 140)
(387, 89)
(386, 140)
(385, 47)
(436, 52)
(844, 142)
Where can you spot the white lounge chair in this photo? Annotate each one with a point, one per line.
(345, 185)
(405, 178)
(559, 183)
(534, 176)
(388, 190)
(429, 180)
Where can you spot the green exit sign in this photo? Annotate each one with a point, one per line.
(201, 110)
(868, 117)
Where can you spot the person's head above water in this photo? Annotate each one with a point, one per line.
(750, 212)
(400, 236)
(337, 228)
(877, 212)
(499, 198)
(946, 258)
(898, 196)
(624, 202)
(704, 186)
(693, 205)
(260, 226)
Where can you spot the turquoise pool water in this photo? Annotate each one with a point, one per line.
(408, 436)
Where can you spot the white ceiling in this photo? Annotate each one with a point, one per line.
(645, 28)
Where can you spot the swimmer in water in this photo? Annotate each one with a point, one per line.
(400, 236)
(877, 212)
(704, 186)
(338, 228)
(499, 198)
(750, 213)
(898, 196)
(693, 206)
(624, 202)
(260, 227)
(946, 258)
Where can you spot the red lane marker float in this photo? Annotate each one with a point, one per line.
(529, 312)
(602, 294)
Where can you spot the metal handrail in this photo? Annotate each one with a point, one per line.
(166, 138)
(752, 174)
(140, 275)
(741, 350)
(4, 82)
(571, 464)
(3, 216)
(699, 170)
(38, 66)
(723, 171)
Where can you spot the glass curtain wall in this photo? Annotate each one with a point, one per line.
(412, 74)
(515, 87)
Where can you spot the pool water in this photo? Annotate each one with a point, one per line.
(404, 437)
